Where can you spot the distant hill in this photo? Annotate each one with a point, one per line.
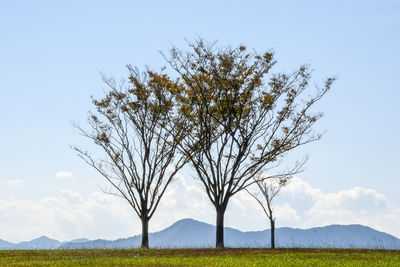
(5, 244)
(42, 242)
(191, 233)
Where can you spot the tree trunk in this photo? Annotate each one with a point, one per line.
(272, 221)
(145, 233)
(219, 238)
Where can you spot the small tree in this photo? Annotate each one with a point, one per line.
(239, 120)
(269, 188)
(134, 128)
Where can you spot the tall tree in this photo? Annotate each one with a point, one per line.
(240, 119)
(134, 127)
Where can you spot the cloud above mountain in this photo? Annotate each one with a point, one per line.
(354, 205)
(69, 214)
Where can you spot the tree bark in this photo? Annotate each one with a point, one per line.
(272, 221)
(145, 233)
(219, 238)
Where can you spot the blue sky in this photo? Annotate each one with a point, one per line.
(51, 56)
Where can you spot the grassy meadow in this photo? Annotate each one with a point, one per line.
(202, 257)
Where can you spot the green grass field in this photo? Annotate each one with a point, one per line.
(202, 257)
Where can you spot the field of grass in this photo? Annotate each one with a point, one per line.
(202, 257)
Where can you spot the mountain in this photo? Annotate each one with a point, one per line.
(191, 233)
(5, 244)
(42, 242)
(337, 236)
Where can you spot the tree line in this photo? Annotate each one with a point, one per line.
(223, 112)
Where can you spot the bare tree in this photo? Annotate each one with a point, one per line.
(133, 125)
(269, 187)
(240, 119)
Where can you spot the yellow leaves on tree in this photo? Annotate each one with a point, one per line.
(103, 138)
(117, 157)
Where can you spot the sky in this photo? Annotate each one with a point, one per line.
(52, 54)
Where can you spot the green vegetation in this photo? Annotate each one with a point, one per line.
(202, 257)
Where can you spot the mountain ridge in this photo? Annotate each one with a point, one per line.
(190, 233)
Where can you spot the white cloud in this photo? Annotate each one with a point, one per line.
(70, 215)
(14, 182)
(285, 212)
(351, 206)
(64, 175)
(297, 187)
(66, 216)
(246, 214)
(182, 199)
(302, 205)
